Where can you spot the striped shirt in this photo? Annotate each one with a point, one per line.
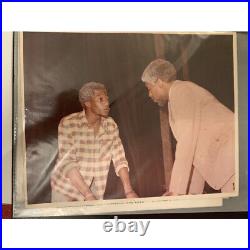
(91, 154)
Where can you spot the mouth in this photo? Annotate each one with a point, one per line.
(106, 110)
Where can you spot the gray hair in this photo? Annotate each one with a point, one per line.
(87, 91)
(159, 69)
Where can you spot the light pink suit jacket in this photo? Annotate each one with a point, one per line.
(204, 131)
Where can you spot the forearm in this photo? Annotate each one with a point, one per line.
(124, 175)
(128, 190)
(78, 182)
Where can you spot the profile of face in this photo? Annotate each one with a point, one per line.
(99, 103)
(156, 92)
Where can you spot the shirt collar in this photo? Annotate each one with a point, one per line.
(171, 88)
(84, 121)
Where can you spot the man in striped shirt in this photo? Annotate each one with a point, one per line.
(87, 142)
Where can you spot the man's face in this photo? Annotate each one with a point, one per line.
(156, 93)
(99, 103)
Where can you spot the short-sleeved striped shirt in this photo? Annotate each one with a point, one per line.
(91, 154)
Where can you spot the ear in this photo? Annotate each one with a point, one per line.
(87, 104)
(160, 83)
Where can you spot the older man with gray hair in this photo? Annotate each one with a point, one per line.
(203, 128)
(88, 141)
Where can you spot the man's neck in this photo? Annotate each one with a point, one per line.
(93, 119)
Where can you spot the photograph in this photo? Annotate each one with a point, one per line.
(124, 122)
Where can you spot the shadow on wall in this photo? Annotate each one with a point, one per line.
(41, 141)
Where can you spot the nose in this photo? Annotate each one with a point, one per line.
(106, 103)
(150, 94)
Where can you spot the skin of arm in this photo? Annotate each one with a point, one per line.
(128, 190)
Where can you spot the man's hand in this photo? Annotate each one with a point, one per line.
(90, 196)
(78, 182)
(167, 193)
(131, 194)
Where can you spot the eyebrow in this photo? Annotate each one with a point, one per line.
(101, 94)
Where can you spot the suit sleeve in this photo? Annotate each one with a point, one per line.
(186, 114)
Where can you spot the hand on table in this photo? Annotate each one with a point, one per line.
(131, 194)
